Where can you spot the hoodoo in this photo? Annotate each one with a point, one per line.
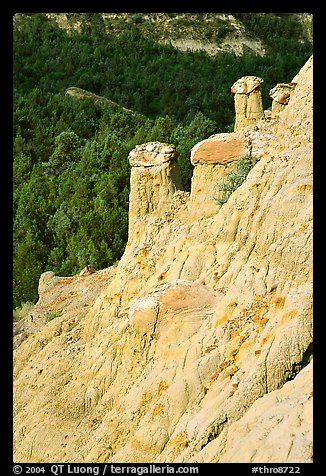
(247, 101)
(281, 95)
(154, 179)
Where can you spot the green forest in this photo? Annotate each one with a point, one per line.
(70, 167)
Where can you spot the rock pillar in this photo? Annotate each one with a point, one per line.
(213, 158)
(281, 95)
(155, 177)
(248, 102)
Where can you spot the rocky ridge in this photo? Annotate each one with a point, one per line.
(82, 94)
(197, 346)
(222, 32)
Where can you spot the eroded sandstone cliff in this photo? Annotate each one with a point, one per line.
(197, 346)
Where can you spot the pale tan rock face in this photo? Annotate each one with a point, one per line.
(204, 188)
(267, 425)
(196, 346)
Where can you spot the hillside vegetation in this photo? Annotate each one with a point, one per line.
(71, 172)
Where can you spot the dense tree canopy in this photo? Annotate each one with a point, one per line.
(71, 172)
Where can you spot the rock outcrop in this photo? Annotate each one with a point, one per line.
(155, 177)
(281, 96)
(248, 102)
(197, 346)
(220, 149)
(213, 158)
